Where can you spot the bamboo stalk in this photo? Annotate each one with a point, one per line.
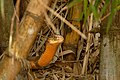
(29, 27)
(85, 62)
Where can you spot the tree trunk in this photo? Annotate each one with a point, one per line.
(110, 50)
(29, 27)
(72, 37)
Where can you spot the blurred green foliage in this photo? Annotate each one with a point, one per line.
(94, 7)
(88, 8)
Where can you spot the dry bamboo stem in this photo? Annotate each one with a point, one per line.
(64, 20)
(47, 56)
(85, 62)
(29, 27)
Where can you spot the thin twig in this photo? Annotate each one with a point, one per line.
(55, 77)
(12, 23)
(50, 23)
(11, 31)
(16, 10)
(62, 24)
(58, 10)
(42, 43)
(64, 20)
(53, 7)
(80, 47)
(17, 13)
(85, 62)
(105, 16)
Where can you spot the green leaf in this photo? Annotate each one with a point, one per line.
(104, 7)
(85, 10)
(118, 5)
(118, 8)
(97, 2)
(81, 16)
(109, 22)
(95, 12)
(113, 11)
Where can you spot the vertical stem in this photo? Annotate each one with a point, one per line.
(110, 50)
(85, 62)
